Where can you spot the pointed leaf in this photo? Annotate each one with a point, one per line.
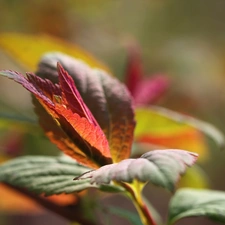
(144, 90)
(28, 49)
(67, 121)
(149, 90)
(134, 69)
(189, 202)
(160, 167)
(163, 127)
(108, 100)
(59, 137)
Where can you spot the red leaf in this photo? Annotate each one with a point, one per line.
(144, 91)
(149, 90)
(68, 122)
(134, 70)
(72, 97)
(107, 98)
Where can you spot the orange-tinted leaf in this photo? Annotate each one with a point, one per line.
(57, 136)
(189, 139)
(162, 131)
(28, 49)
(64, 199)
(12, 201)
(70, 124)
(108, 100)
(163, 127)
(71, 97)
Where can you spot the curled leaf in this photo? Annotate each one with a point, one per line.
(160, 167)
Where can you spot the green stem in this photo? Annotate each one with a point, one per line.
(134, 191)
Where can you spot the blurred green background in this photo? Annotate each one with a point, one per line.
(182, 39)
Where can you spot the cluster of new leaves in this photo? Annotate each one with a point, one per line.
(89, 115)
(93, 122)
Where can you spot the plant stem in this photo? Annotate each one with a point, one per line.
(143, 211)
(134, 191)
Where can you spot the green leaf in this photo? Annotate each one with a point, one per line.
(43, 174)
(126, 214)
(11, 119)
(9, 116)
(189, 202)
(160, 167)
(164, 127)
(107, 98)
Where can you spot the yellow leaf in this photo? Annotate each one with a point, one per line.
(194, 177)
(28, 49)
(164, 131)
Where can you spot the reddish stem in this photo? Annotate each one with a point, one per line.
(140, 205)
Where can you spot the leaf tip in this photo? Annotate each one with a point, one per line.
(194, 157)
(59, 66)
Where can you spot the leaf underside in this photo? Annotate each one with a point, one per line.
(189, 202)
(48, 175)
(160, 167)
(107, 98)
